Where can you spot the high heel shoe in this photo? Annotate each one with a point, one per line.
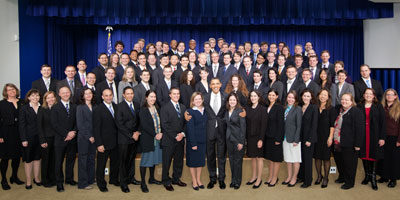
(37, 183)
(318, 181)
(257, 186)
(251, 182)
(28, 187)
(16, 180)
(324, 183)
(273, 185)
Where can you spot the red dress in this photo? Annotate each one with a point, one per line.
(367, 135)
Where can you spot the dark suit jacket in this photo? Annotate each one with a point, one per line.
(331, 68)
(199, 87)
(100, 87)
(293, 125)
(100, 73)
(138, 72)
(248, 79)
(41, 86)
(282, 77)
(119, 73)
(171, 124)
(157, 76)
(84, 121)
(176, 76)
(235, 127)
(352, 132)
(262, 88)
(63, 123)
(297, 86)
(45, 129)
(140, 93)
(278, 86)
(276, 125)
(309, 124)
(186, 93)
(146, 128)
(163, 91)
(224, 77)
(127, 122)
(314, 87)
(77, 77)
(77, 87)
(316, 76)
(213, 118)
(27, 123)
(104, 127)
(360, 86)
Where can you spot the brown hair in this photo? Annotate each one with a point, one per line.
(30, 93)
(328, 102)
(184, 78)
(312, 101)
(241, 88)
(296, 99)
(237, 100)
(5, 95)
(374, 100)
(45, 105)
(193, 96)
(394, 111)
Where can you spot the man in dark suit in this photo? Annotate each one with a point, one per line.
(281, 68)
(367, 82)
(105, 135)
(173, 51)
(292, 82)
(298, 63)
(46, 83)
(90, 81)
(70, 81)
(127, 120)
(308, 83)
(133, 58)
(63, 119)
(214, 104)
(158, 75)
(261, 66)
(246, 72)
(184, 65)
(142, 87)
(100, 70)
(121, 68)
(325, 64)
(270, 62)
(164, 86)
(172, 142)
(140, 66)
(81, 75)
(202, 65)
(174, 62)
(258, 84)
(225, 72)
(215, 65)
(313, 62)
(109, 83)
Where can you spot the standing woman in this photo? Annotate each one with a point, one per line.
(10, 146)
(374, 140)
(86, 146)
(114, 61)
(274, 83)
(235, 138)
(46, 138)
(203, 86)
(325, 81)
(291, 142)
(236, 85)
(186, 87)
(308, 136)
(347, 138)
(128, 80)
(150, 129)
(28, 132)
(391, 162)
(322, 153)
(273, 150)
(196, 139)
(192, 60)
(256, 120)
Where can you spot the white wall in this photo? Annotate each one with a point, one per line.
(9, 47)
(382, 41)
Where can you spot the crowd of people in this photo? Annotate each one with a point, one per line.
(166, 103)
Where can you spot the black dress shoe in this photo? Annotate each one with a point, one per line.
(125, 189)
(196, 188)
(47, 185)
(324, 183)
(154, 181)
(211, 184)
(37, 183)
(201, 186)
(266, 183)
(169, 187)
(231, 185)
(346, 186)
(72, 183)
(28, 187)
(16, 180)
(236, 186)
(135, 182)
(383, 180)
(103, 189)
(144, 188)
(392, 183)
(299, 180)
(339, 180)
(257, 186)
(5, 185)
(179, 183)
(251, 182)
(318, 181)
(222, 185)
(60, 188)
(304, 185)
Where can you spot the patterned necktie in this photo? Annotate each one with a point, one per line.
(178, 110)
(131, 107)
(71, 85)
(83, 80)
(67, 108)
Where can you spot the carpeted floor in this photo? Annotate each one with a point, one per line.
(333, 190)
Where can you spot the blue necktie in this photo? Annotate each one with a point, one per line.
(67, 107)
(368, 83)
(131, 107)
(111, 110)
(224, 71)
(178, 110)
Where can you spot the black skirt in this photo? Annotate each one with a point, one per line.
(11, 148)
(33, 151)
(273, 152)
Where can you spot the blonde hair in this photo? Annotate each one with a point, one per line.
(351, 98)
(45, 105)
(193, 96)
(394, 111)
(5, 95)
(125, 78)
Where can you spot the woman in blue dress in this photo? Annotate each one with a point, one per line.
(150, 137)
(196, 139)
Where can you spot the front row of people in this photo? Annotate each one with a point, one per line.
(302, 128)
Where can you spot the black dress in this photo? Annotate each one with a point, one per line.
(11, 148)
(186, 93)
(28, 131)
(325, 122)
(275, 133)
(256, 121)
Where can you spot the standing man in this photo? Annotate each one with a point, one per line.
(109, 83)
(164, 86)
(63, 119)
(105, 134)
(325, 64)
(81, 75)
(124, 58)
(100, 70)
(225, 72)
(70, 81)
(141, 88)
(192, 45)
(367, 82)
(46, 83)
(172, 142)
(313, 62)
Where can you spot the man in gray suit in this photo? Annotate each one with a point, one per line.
(70, 81)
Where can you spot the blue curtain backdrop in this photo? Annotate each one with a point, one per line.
(75, 29)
